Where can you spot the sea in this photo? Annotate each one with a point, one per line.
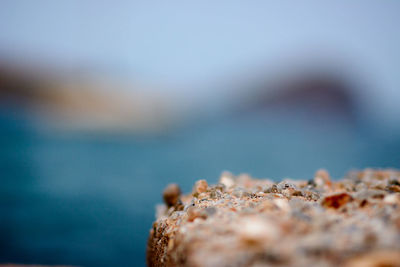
(88, 198)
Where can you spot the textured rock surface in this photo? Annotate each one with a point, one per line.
(248, 222)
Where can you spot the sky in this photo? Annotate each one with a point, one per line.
(188, 44)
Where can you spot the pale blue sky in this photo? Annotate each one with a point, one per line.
(189, 42)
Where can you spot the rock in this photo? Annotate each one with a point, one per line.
(200, 186)
(210, 211)
(282, 204)
(240, 192)
(227, 179)
(255, 231)
(322, 178)
(352, 222)
(336, 200)
(194, 212)
(375, 259)
(394, 188)
(171, 194)
(392, 199)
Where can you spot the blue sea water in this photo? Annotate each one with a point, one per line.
(88, 199)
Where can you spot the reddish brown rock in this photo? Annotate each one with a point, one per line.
(337, 200)
(171, 194)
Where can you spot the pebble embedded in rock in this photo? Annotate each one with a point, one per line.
(171, 194)
(227, 179)
(392, 199)
(282, 204)
(322, 178)
(240, 192)
(200, 186)
(255, 231)
(337, 200)
(194, 212)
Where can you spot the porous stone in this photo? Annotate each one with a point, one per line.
(249, 222)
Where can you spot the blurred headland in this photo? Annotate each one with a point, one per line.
(314, 96)
(66, 101)
(80, 102)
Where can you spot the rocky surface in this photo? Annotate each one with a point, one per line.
(248, 222)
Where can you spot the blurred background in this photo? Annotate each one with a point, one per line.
(103, 103)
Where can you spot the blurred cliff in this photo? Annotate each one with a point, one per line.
(79, 102)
